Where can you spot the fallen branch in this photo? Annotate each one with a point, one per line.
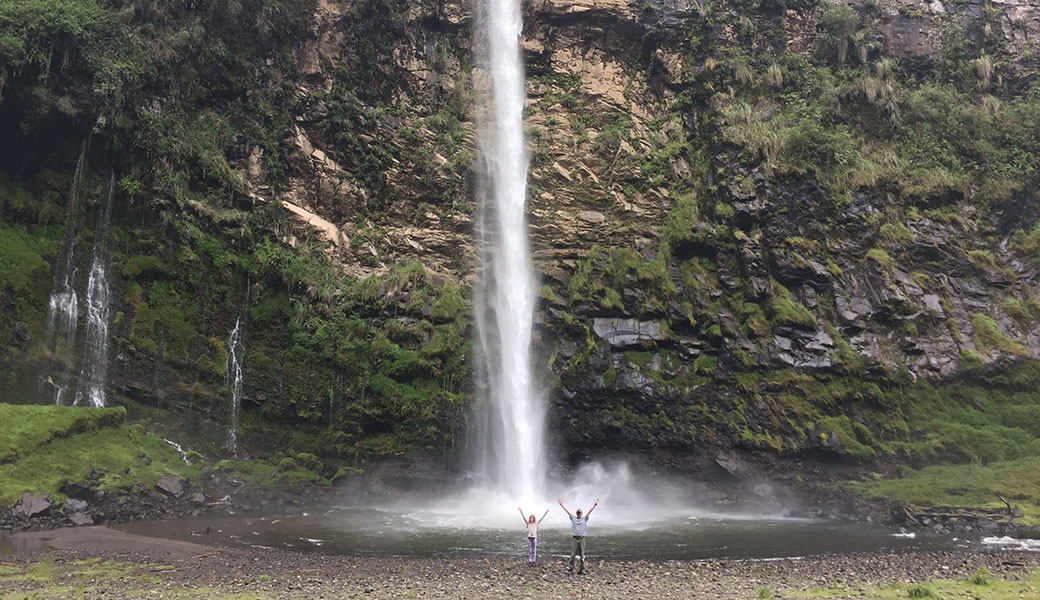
(1010, 511)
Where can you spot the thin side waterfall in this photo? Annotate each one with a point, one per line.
(95, 348)
(233, 372)
(518, 441)
(63, 307)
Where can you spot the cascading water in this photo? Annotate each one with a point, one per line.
(233, 372)
(63, 307)
(519, 465)
(95, 349)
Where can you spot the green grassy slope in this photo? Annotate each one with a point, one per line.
(42, 446)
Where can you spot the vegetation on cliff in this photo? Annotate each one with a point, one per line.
(44, 446)
(831, 237)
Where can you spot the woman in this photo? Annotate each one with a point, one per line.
(532, 535)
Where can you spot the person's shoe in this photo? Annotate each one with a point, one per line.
(581, 571)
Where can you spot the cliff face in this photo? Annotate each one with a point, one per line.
(755, 222)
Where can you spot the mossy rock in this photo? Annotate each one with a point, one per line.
(307, 461)
(346, 471)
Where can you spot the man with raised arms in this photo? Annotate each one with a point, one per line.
(579, 524)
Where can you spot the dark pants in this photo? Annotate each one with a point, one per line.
(578, 547)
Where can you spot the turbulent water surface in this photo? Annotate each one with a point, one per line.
(377, 532)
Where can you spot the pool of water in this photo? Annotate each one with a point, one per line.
(375, 532)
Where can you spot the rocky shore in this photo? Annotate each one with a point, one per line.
(96, 560)
(85, 503)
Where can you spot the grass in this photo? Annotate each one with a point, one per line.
(27, 427)
(788, 311)
(980, 586)
(67, 442)
(965, 486)
(258, 471)
(988, 336)
(89, 579)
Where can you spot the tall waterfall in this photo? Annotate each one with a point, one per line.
(517, 436)
(95, 348)
(233, 372)
(63, 307)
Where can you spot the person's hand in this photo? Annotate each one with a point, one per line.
(597, 501)
(520, 509)
(560, 501)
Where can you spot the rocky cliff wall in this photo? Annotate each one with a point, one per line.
(754, 222)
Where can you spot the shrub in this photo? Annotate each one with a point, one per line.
(981, 576)
(921, 591)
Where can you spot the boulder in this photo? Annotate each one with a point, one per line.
(83, 490)
(626, 332)
(732, 465)
(31, 505)
(81, 518)
(73, 505)
(171, 485)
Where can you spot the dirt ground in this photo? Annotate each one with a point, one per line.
(97, 562)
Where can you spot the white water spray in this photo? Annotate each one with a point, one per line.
(233, 372)
(95, 349)
(519, 465)
(63, 307)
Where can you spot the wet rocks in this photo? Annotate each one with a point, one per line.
(626, 332)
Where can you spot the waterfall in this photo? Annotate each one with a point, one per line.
(95, 348)
(63, 307)
(233, 372)
(518, 466)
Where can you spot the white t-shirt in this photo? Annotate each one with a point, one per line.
(532, 530)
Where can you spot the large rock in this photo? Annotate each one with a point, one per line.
(72, 505)
(733, 465)
(32, 505)
(171, 485)
(81, 518)
(626, 332)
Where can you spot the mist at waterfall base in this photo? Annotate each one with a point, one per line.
(638, 519)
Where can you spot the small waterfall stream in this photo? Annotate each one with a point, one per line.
(63, 307)
(95, 348)
(233, 368)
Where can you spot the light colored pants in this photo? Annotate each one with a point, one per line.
(532, 549)
(578, 547)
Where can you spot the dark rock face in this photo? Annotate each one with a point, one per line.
(716, 285)
(620, 333)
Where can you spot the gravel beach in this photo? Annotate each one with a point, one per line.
(103, 563)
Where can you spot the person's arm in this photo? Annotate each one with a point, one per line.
(543, 516)
(563, 507)
(522, 514)
(594, 505)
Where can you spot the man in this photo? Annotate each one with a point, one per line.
(579, 524)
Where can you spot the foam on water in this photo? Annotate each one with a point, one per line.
(1010, 543)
